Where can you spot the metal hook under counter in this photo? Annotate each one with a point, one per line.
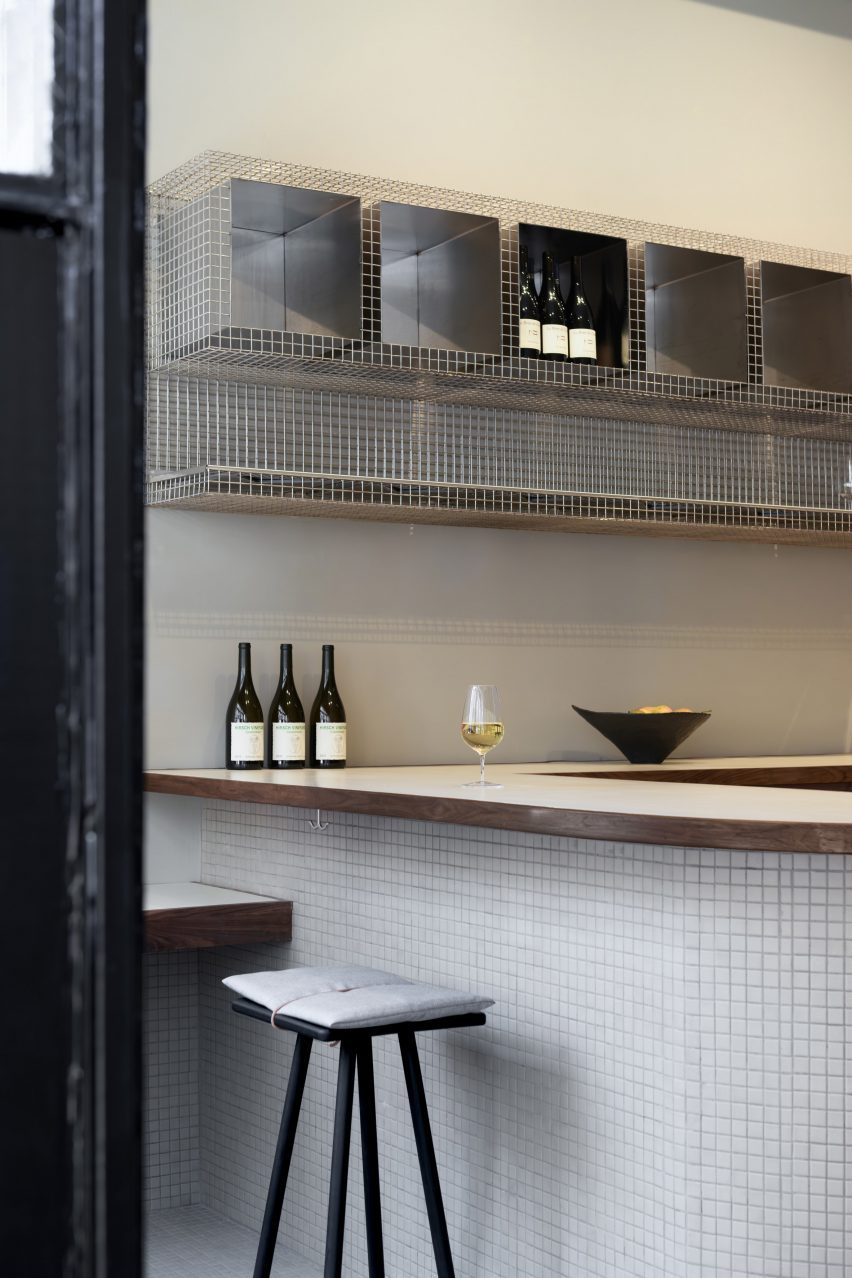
(318, 825)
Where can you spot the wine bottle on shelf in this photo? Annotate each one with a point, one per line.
(554, 326)
(529, 319)
(244, 720)
(328, 719)
(582, 340)
(286, 722)
(609, 324)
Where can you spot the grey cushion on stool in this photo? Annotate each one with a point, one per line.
(349, 997)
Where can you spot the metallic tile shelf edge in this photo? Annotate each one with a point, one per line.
(222, 394)
(278, 493)
(446, 377)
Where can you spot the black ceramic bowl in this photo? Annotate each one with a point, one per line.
(645, 738)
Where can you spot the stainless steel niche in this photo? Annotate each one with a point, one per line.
(695, 313)
(295, 259)
(807, 327)
(440, 279)
(604, 265)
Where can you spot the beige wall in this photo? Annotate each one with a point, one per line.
(666, 110)
(682, 112)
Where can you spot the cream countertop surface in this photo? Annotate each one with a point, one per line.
(534, 796)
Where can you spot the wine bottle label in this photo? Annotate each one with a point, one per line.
(288, 742)
(247, 742)
(582, 344)
(554, 339)
(331, 741)
(529, 335)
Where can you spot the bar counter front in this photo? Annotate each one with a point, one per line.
(661, 1085)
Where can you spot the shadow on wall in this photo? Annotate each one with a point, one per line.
(833, 17)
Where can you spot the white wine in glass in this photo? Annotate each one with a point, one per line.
(482, 725)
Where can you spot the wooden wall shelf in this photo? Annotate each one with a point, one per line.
(198, 916)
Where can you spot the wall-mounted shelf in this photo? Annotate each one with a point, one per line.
(267, 358)
(693, 328)
(198, 916)
(259, 492)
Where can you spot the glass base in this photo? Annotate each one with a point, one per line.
(482, 785)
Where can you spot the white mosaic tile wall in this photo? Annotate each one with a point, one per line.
(660, 1089)
(170, 1064)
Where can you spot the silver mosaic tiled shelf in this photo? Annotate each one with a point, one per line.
(248, 418)
(264, 492)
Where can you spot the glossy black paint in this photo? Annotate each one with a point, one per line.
(71, 257)
(356, 1057)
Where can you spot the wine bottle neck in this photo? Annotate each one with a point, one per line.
(244, 667)
(550, 279)
(286, 662)
(327, 666)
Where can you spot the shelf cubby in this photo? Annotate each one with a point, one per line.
(696, 322)
(295, 260)
(604, 264)
(440, 279)
(807, 327)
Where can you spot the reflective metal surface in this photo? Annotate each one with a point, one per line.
(295, 260)
(440, 278)
(807, 327)
(695, 313)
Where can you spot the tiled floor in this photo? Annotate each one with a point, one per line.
(194, 1242)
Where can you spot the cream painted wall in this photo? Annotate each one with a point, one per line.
(763, 638)
(697, 115)
(671, 111)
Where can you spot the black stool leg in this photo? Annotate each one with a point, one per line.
(426, 1154)
(283, 1154)
(370, 1158)
(340, 1161)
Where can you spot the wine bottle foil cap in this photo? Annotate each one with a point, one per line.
(328, 647)
(245, 645)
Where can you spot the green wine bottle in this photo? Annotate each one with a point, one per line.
(244, 720)
(328, 719)
(286, 720)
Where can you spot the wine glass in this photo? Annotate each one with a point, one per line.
(482, 725)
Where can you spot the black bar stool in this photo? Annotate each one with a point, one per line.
(391, 1005)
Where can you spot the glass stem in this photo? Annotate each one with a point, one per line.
(482, 769)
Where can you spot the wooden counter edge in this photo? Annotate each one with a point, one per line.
(199, 927)
(622, 827)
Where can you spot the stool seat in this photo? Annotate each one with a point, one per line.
(347, 997)
(246, 1007)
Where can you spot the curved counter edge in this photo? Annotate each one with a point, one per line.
(537, 800)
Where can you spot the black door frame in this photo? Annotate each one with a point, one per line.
(71, 407)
